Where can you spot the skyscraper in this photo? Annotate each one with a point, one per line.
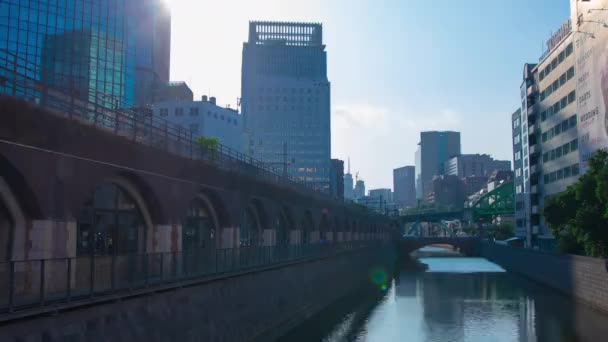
(404, 186)
(348, 184)
(114, 50)
(286, 97)
(434, 149)
(359, 191)
(336, 182)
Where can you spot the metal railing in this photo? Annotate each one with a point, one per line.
(19, 78)
(33, 284)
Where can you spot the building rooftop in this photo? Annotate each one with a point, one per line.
(285, 33)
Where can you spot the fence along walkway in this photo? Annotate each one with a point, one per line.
(36, 286)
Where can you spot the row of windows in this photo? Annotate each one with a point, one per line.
(560, 128)
(570, 171)
(277, 108)
(516, 139)
(517, 155)
(556, 61)
(289, 99)
(557, 106)
(560, 151)
(565, 77)
(286, 90)
(179, 111)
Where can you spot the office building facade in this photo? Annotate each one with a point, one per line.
(336, 180)
(113, 53)
(404, 187)
(205, 118)
(434, 149)
(474, 165)
(286, 97)
(520, 227)
(359, 191)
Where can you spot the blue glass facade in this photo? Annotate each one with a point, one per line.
(118, 48)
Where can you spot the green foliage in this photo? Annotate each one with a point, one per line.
(578, 216)
(209, 145)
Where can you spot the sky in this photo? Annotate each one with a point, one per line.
(396, 67)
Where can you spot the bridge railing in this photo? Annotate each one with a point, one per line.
(21, 78)
(34, 284)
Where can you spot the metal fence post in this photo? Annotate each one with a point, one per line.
(42, 282)
(69, 280)
(92, 275)
(162, 266)
(11, 286)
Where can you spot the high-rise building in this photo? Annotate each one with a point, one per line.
(447, 191)
(385, 195)
(470, 165)
(359, 191)
(434, 149)
(348, 184)
(286, 97)
(336, 180)
(112, 52)
(545, 138)
(404, 186)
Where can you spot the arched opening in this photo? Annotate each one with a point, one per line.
(284, 227)
(199, 227)
(324, 229)
(307, 227)
(6, 228)
(251, 228)
(111, 223)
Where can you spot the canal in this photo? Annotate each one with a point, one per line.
(455, 299)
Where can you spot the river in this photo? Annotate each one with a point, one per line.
(456, 299)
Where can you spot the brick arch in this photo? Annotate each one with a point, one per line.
(20, 204)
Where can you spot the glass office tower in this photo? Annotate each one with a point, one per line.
(118, 48)
(286, 98)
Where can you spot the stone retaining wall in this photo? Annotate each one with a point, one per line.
(584, 278)
(259, 305)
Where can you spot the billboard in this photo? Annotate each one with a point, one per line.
(591, 52)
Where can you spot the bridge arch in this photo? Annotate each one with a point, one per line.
(284, 227)
(115, 220)
(466, 245)
(200, 224)
(17, 203)
(252, 225)
(324, 228)
(308, 226)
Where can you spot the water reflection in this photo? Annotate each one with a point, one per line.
(459, 299)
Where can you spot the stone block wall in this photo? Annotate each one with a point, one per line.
(583, 278)
(260, 305)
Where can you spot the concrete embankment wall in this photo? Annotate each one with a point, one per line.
(583, 278)
(259, 305)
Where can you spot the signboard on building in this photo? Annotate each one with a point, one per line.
(558, 36)
(591, 52)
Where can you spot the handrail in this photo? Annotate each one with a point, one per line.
(114, 115)
(31, 285)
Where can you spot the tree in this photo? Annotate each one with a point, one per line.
(578, 217)
(209, 146)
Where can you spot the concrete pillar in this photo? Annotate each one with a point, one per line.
(269, 237)
(295, 237)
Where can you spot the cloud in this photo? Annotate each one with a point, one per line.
(378, 140)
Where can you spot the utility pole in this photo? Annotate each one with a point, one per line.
(285, 162)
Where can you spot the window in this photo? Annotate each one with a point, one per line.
(562, 79)
(565, 125)
(164, 111)
(572, 120)
(194, 111)
(545, 157)
(564, 102)
(574, 145)
(555, 85)
(558, 152)
(543, 116)
(552, 155)
(572, 96)
(544, 136)
(561, 56)
(554, 63)
(575, 170)
(516, 139)
(570, 73)
(569, 49)
(560, 174)
(567, 172)
(566, 149)
(557, 129)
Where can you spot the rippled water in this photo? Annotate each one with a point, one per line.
(457, 299)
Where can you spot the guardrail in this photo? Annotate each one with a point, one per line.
(19, 78)
(30, 285)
